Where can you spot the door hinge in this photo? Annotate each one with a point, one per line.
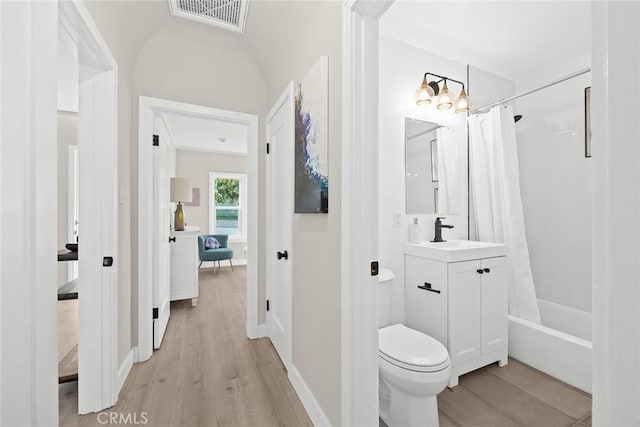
(156, 140)
(267, 305)
(268, 148)
(374, 268)
(155, 313)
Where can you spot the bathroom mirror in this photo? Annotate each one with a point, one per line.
(421, 166)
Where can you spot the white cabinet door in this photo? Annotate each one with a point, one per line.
(184, 266)
(464, 311)
(426, 310)
(493, 303)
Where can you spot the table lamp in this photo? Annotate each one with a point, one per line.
(181, 191)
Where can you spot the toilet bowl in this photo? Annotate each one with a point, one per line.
(413, 369)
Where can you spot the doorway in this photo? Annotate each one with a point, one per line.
(176, 117)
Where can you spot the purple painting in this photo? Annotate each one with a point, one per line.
(311, 141)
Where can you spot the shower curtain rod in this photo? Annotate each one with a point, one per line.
(520, 95)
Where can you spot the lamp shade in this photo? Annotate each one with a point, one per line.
(181, 190)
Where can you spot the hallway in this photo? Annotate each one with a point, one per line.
(207, 372)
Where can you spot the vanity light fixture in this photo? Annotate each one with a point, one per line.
(429, 91)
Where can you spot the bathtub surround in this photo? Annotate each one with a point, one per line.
(495, 183)
(556, 182)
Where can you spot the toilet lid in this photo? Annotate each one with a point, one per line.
(411, 349)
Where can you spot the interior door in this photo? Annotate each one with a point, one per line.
(279, 218)
(162, 228)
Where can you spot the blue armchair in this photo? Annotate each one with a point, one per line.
(219, 254)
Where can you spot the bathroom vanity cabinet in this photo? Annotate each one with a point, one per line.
(461, 304)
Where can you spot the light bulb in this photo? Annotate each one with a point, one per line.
(462, 103)
(424, 93)
(445, 100)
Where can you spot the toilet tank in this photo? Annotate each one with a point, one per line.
(385, 292)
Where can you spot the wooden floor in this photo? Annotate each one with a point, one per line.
(207, 373)
(516, 395)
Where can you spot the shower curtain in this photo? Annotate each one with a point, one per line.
(448, 164)
(495, 185)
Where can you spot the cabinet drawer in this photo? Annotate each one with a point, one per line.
(426, 310)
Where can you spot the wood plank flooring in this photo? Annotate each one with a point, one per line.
(516, 395)
(207, 373)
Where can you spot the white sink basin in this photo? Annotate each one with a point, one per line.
(455, 250)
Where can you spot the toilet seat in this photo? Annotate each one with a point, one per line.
(412, 350)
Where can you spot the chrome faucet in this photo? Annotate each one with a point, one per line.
(439, 226)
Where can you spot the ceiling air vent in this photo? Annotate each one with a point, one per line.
(227, 14)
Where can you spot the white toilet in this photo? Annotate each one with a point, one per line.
(414, 367)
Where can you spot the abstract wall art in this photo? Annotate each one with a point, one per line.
(311, 140)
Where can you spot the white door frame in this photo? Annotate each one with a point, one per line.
(147, 107)
(285, 100)
(360, 210)
(28, 202)
(98, 385)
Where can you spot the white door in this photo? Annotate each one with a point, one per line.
(162, 228)
(280, 149)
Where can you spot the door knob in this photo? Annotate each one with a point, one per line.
(172, 239)
(281, 255)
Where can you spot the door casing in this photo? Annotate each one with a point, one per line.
(147, 107)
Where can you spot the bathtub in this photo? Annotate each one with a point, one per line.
(560, 347)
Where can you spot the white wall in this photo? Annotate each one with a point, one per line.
(401, 68)
(196, 166)
(286, 38)
(192, 71)
(556, 183)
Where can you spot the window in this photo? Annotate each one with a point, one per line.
(228, 205)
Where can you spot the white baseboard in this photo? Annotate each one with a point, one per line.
(262, 330)
(124, 370)
(136, 354)
(307, 398)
